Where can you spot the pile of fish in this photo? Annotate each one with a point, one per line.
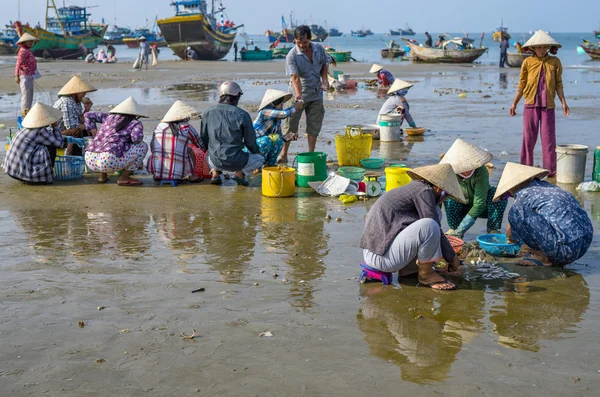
(489, 271)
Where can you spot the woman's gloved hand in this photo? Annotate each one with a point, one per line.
(77, 141)
(464, 226)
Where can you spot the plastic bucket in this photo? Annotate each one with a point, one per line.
(396, 177)
(337, 73)
(312, 167)
(389, 127)
(278, 181)
(570, 163)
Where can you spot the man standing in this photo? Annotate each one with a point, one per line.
(308, 65)
(504, 45)
(225, 130)
(26, 70)
(144, 52)
(235, 51)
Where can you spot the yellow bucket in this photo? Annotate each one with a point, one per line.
(396, 177)
(278, 181)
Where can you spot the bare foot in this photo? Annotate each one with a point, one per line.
(437, 282)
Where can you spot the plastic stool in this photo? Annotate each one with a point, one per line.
(173, 182)
(368, 273)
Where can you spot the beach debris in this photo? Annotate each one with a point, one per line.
(275, 275)
(504, 153)
(301, 282)
(192, 336)
(125, 331)
(101, 308)
(338, 219)
(575, 379)
(199, 290)
(266, 334)
(100, 361)
(328, 217)
(262, 270)
(462, 95)
(592, 186)
(256, 284)
(81, 324)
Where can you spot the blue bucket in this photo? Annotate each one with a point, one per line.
(497, 245)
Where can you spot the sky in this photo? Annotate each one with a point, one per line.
(434, 15)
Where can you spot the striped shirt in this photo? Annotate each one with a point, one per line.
(269, 120)
(72, 112)
(170, 155)
(28, 158)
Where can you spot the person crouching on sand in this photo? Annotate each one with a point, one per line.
(403, 230)
(119, 145)
(540, 82)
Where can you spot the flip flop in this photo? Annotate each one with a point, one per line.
(530, 259)
(216, 181)
(131, 182)
(241, 181)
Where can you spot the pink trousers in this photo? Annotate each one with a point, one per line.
(539, 119)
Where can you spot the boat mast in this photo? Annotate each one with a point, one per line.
(48, 6)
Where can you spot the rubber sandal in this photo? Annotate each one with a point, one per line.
(530, 259)
(241, 181)
(131, 182)
(216, 181)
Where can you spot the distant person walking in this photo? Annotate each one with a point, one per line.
(26, 71)
(504, 46)
(307, 64)
(144, 52)
(235, 51)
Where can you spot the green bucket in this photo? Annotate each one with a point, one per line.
(312, 167)
(336, 74)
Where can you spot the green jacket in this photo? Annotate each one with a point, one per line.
(476, 190)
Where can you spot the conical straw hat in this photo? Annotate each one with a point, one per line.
(541, 38)
(41, 115)
(442, 176)
(465, 157)
(76, 86)
(179, 111)
(27, 37)
(129, 107)
(399, 85)
(375, 68)
(514, 174)
(271, 96)
(142, 38)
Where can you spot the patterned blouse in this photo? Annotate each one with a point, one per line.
(72, 112)
(170, 155)
(26, 63)
(269, 120)
(108, 140)
(385, 78)
(28, 158)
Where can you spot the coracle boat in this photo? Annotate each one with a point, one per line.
(193, 26)
(280, 53)
(444, 54)
(515, 60)
(67, 36)
(593, 53)
(340, 56)
(392, 52)
(256, 55)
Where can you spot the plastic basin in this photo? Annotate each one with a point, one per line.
(497, 245)
(354, 173)
(456, 243)
(372, 163)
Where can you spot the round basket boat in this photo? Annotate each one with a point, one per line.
(414, 131)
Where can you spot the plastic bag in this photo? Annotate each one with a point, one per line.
(589, 186)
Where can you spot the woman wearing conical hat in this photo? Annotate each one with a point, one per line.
(384, 78)
(118, 146)
(548, 220)
(402, 230)
(468, 162)
(30, 156)
(268, 124)
(540, 82)
(397, 103)
(73, 104)
(25, 70)
(172, 154)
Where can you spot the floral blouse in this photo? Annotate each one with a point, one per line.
(108, 139)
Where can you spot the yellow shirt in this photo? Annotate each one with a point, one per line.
(530, 77)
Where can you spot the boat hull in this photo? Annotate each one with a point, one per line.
(134, 43)
(438, 55)
(5, 49)
(395, 53)
(279, 53)
(394, 32)
(252, 55)
(341, 56)
(515, 60)
(54, 46)
(593, 53)
(194, 31)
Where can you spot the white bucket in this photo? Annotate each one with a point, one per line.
(343, 78)
(570, 163)
(389, 127)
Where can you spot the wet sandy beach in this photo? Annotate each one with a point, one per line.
(124, 262)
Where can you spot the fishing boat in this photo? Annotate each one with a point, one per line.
(333, 32)
(9, 36)
(68, 35)
(449, 52)
(395, 32)
(395, 52)
(340, 56)
(501, 31)
(280, 53)
(515, 60)
(286, 35)
(115, 35)
(407, 31)
(593, 52)
(6, 49)
(368, 32)
(319, 34)
(153, 37)
(256, 55)
(194, 26)
(597, 34)
(358, 33)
